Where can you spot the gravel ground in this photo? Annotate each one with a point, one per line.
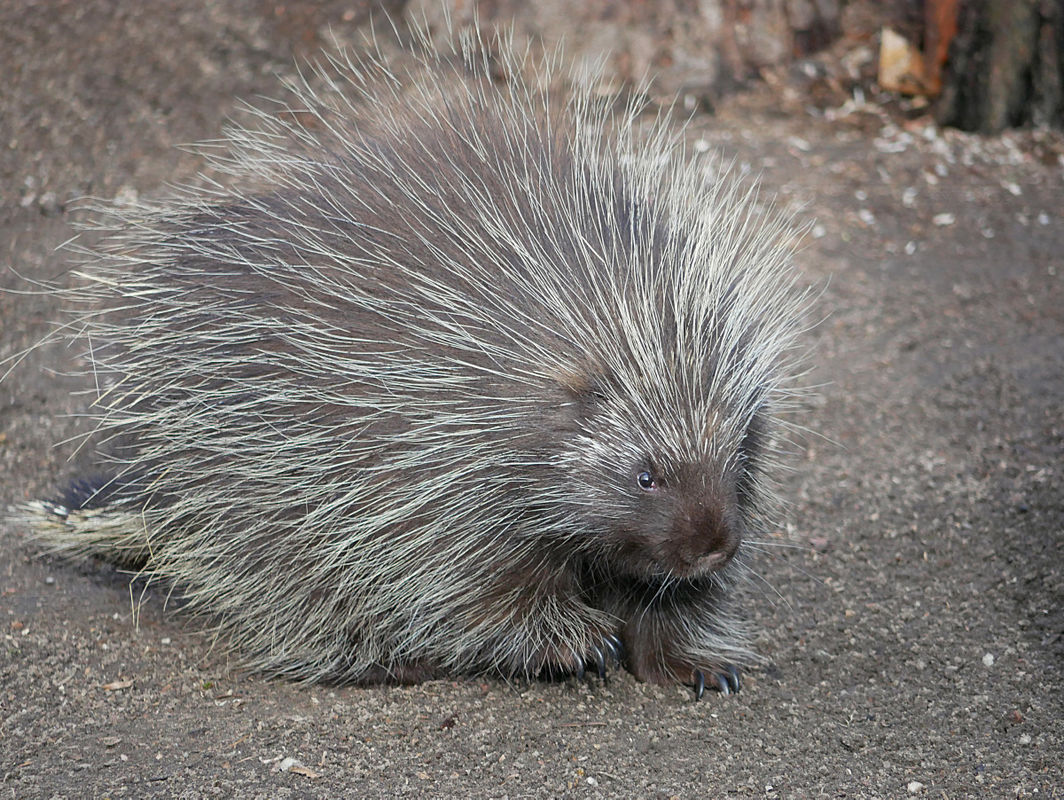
(914, 630)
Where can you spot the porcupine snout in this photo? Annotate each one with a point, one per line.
(706, 535)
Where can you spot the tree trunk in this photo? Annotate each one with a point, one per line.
(1004, 67)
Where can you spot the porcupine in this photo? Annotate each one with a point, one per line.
(449, 375)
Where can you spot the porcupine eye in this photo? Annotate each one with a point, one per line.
(646, 480)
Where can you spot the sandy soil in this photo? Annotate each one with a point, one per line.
(914, 631)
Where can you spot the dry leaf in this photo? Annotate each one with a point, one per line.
(901, 66)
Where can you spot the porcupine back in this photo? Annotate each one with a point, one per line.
(375, 404)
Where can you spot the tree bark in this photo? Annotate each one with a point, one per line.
(1004, 67)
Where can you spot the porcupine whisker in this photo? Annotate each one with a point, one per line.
(764, 545)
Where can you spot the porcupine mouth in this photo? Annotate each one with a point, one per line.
(702, 567)
(673, 566)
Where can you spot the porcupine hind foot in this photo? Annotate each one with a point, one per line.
(406, 674)
(592, 653)
(537, 628)
(602, 656)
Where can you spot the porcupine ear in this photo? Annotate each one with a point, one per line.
(586, 386)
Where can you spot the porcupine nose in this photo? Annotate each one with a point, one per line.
(711, 535)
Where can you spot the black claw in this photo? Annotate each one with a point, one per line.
(600, 661)
(722, 684)
(579, 670)
(615, 646)
(726, 682)
(733, 678)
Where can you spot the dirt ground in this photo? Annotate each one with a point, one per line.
(915, 633)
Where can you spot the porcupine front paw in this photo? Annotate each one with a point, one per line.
(723, 678)
(662, 662)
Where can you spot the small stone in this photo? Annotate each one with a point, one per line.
(49, 204)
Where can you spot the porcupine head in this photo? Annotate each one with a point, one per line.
(461, 378)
